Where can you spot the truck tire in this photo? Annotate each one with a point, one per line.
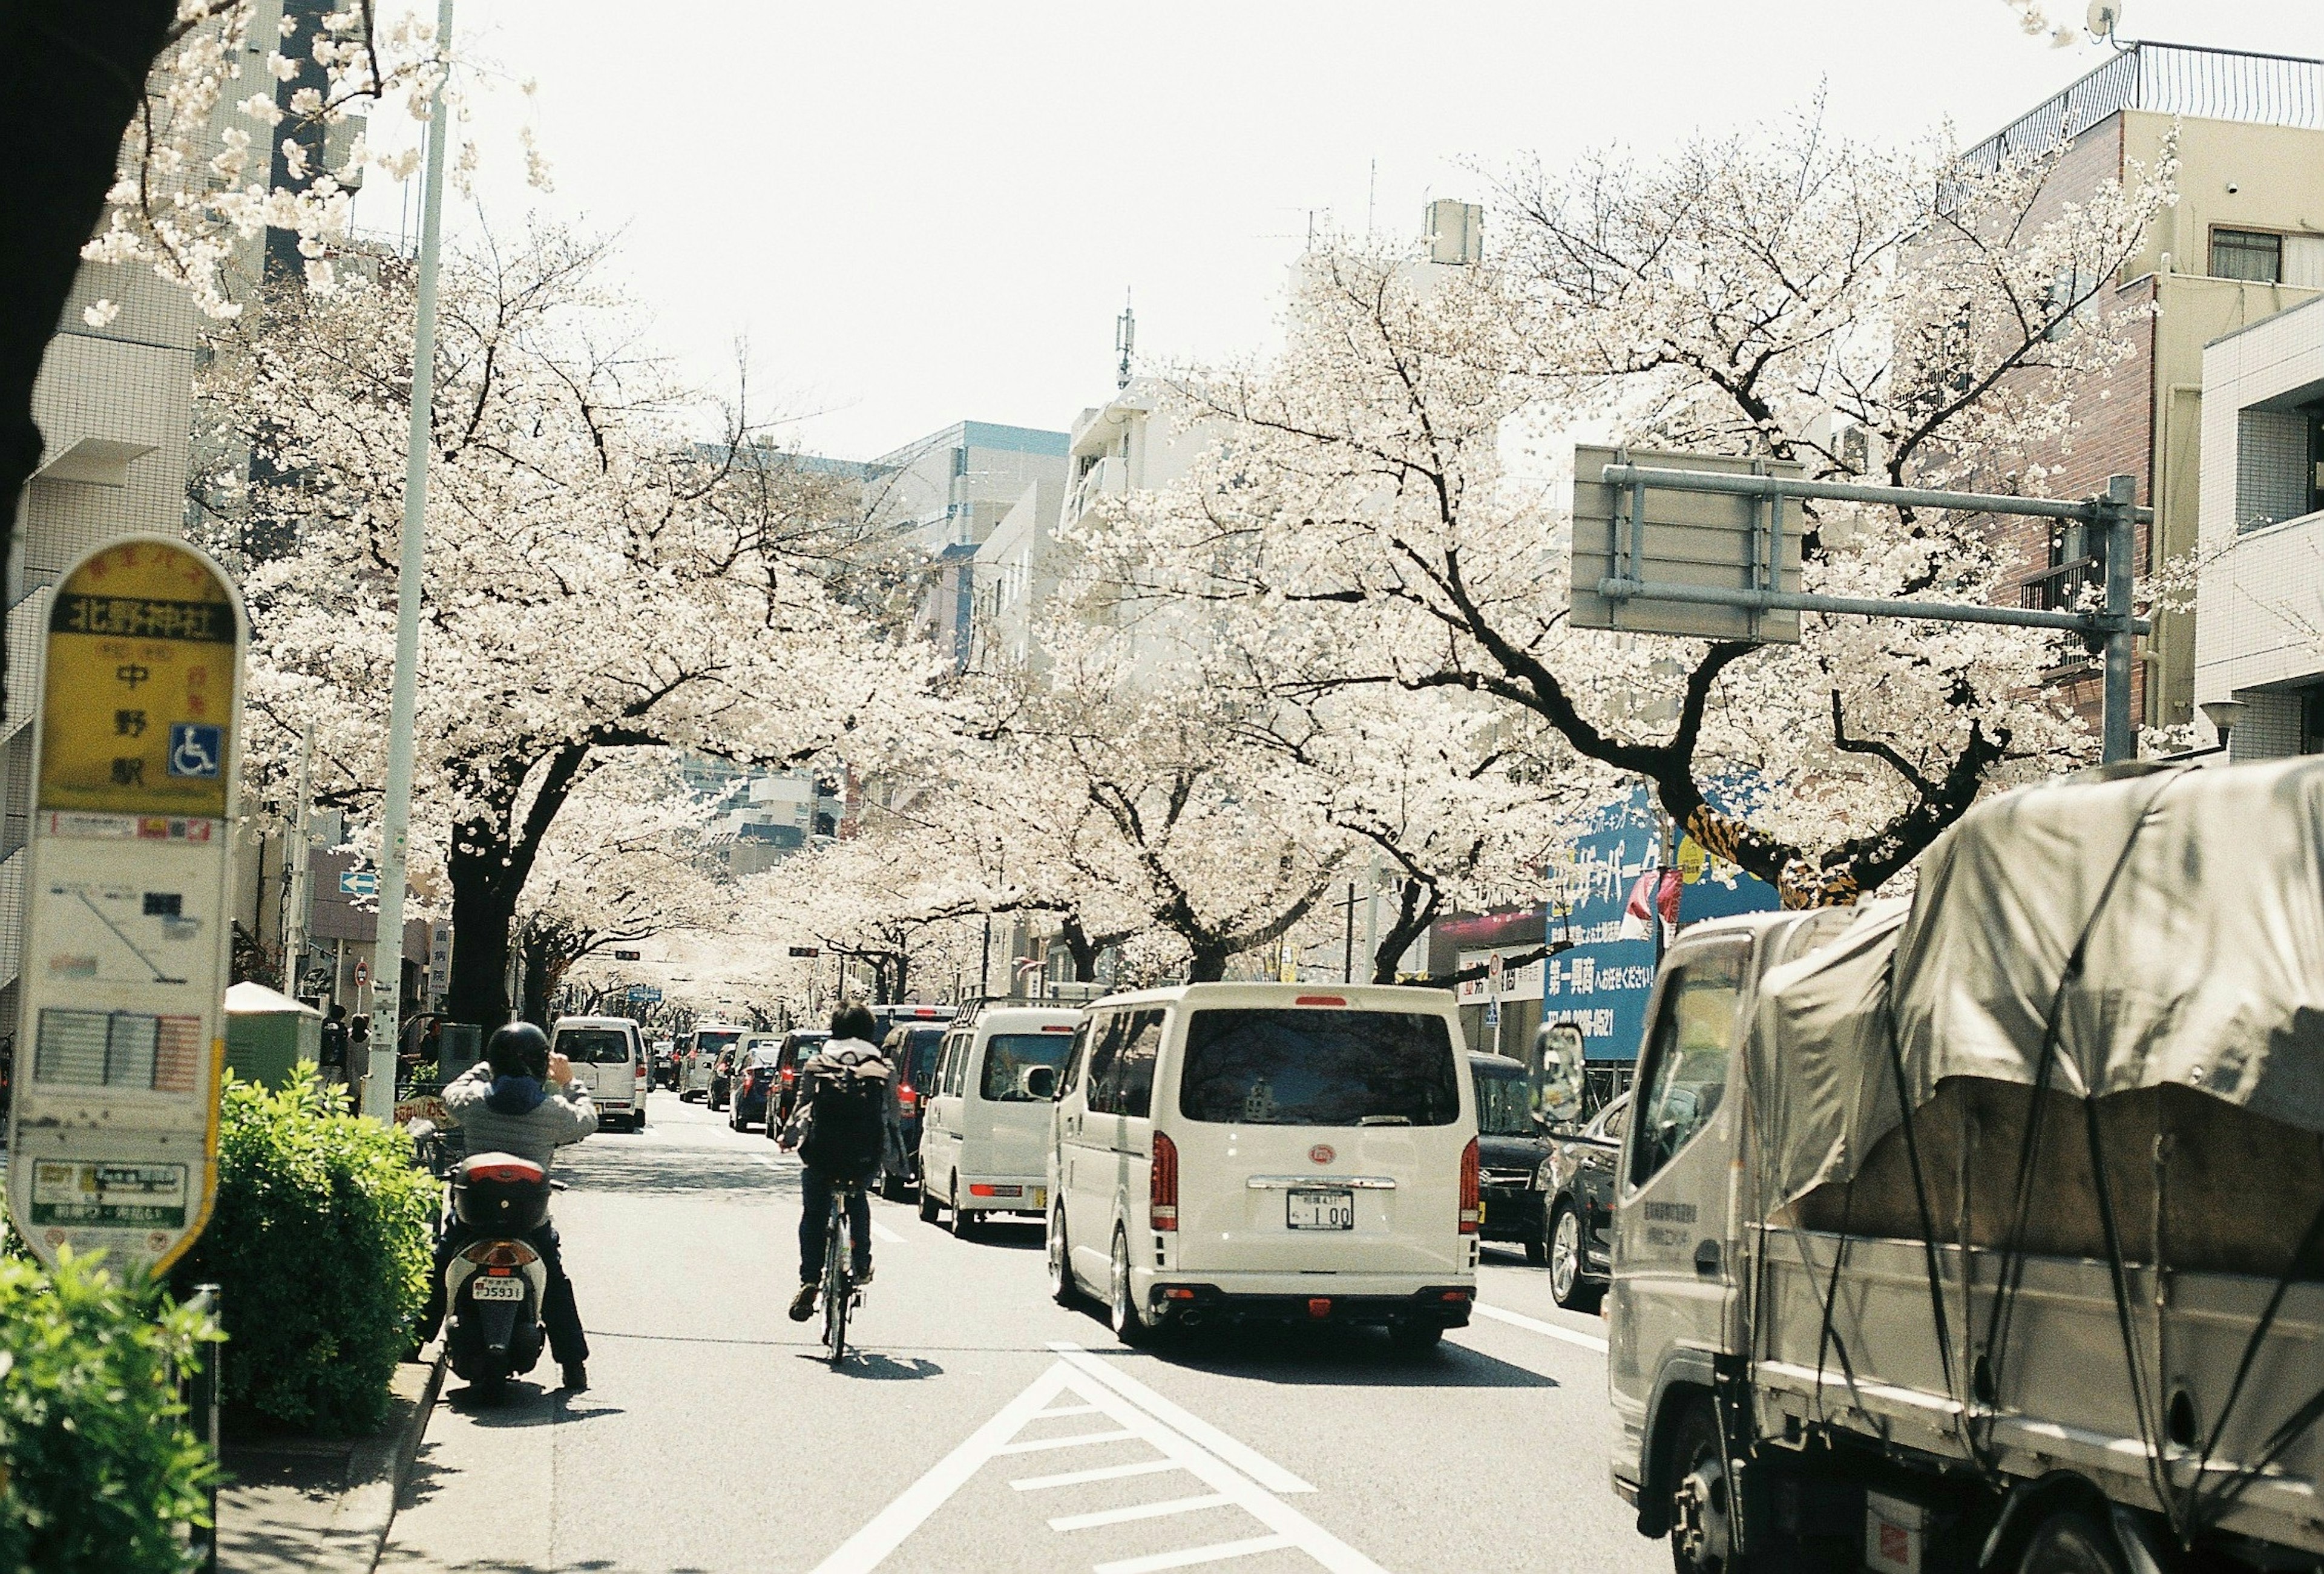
(1697, 1476)
(2071, 1541)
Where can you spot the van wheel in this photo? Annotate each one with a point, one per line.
(1568, 1285)
(1062, 1288)
(1128, 1323)
(965, 1225)
(928, 1206)
(1701, 1533)
(2072, 1542)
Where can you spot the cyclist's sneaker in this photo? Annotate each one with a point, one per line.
(802, 1303)
(861, 1275)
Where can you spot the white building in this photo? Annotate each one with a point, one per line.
(2259, 613)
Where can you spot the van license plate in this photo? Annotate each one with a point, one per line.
(1321, 1210)
(482, 1289)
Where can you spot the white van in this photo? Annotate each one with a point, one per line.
(984, 1132)
(698, 1066)
(608, 1054)
(1286, 1151)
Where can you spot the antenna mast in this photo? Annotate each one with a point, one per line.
(1125, 340)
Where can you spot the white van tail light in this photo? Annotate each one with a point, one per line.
(1469, 1189)
(1320, 1000)
(1163, 1183)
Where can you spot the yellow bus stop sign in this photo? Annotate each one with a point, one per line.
(113, 1132)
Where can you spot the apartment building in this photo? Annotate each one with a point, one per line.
(2244, 240)
(2259, 615)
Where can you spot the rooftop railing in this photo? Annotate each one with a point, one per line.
(2167, 79)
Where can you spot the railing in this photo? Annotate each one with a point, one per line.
(1109, 475)
(2065, 588)
(199, 1391)
(2168, 79)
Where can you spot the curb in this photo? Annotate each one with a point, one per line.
(380, 1469)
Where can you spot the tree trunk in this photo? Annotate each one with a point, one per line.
(1083, 950)
(1416, 905)
(71, 74)
(1208, 963)
(484, 909)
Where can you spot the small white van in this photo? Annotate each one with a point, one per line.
(1286, 1151)
(985, 1130)
(608, 1054)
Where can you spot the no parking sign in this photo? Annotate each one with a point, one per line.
(113, 1135)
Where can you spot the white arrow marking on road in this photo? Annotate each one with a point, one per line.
(1588, 1341)
(1184, 1442)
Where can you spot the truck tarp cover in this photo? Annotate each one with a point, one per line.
(2197, 897)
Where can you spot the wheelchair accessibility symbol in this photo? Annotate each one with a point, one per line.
(195, 749)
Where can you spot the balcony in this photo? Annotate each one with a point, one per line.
(2065, 588)
(2167, 79)
(1107, 476)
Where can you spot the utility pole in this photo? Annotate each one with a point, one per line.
(404, 702)
(1347, 961)
(301, 894)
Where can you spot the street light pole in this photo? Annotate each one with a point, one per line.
(301, 893)
(395, 812)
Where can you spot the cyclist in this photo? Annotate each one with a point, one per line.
(841, 1129)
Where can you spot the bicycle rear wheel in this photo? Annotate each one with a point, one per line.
(836, 1289)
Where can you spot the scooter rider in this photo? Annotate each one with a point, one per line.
(521, 1100)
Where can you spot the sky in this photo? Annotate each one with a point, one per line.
(911, 214)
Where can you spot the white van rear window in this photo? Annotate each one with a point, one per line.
(596, 1047)
(1319, 1068)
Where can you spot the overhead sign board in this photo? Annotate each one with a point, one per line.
(1637, 534)
(649, 993)
(112, 1130)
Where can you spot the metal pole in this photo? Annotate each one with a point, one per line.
(2119, 510)
(1719, 595)
(1348, 966)
(395, 812)
(1778, 487)
(302, 895)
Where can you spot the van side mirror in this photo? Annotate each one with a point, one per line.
(1560, 1073)
(1040, 1082)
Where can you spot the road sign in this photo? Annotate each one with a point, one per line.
(1638, 533)
(113, 1132)
(359, 882)
(649, 993)
(1493, 1013)
(363, 974)
(629, 956)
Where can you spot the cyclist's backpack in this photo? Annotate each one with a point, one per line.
(847, 1116)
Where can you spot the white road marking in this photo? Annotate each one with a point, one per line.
(1082, 1521)
(881, 1232)
(1193, 1555)
(1588, 1341)
(1184, 1442)
(1243, 1457)
(1071, 1409)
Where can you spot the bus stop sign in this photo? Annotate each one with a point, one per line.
(113, 1132)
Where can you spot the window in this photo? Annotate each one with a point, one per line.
(1009, 1055)
(1104, 1044)
(2252, 255)
(1121, 1068)
(596, 1047)
(1080, 1056)
(1275, 1067)
(955, 1067)
(1685, 1076)
(1503, 1107)
(1617, 1121)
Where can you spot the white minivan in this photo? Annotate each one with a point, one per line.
(1281, 1152)
(609, 1056)
(985, 1127)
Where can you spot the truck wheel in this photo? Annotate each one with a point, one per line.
(1568, 1286)
(1128, 1323)
(1699, 1536)
(2071, 1541)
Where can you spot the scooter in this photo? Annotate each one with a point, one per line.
(495, 1285)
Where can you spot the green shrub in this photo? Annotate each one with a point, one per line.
(99, 1463)
(320, 1247)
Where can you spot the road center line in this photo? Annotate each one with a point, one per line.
(1588, 1341)
(1241, 1455)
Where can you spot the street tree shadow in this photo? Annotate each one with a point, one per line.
(662, 1171)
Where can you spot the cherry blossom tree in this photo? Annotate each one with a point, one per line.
(1384, 507)
(599, 579)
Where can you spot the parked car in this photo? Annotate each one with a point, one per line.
(982, 1148)
(912, 1048)
(798, 1047)
(608, 1055)
(705, 1049)
(754, 1081)
(1276, 1151)
(1576, 1182)
(1511, 1148)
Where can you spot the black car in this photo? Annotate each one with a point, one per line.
(912, 1048)
(1578, 1180)
(798, 1046)
(753, 1085)
(1509, 1151)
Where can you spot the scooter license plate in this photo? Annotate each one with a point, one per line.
(484, 1289)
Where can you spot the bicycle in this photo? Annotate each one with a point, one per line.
(840, 1293)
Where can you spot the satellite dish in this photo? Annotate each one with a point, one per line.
(2105, 16)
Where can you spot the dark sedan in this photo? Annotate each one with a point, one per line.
(1578, 1180)
(753, 1086)
(1509, 1151)
(911, 1047)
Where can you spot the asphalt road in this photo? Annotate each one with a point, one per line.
(983, 1427)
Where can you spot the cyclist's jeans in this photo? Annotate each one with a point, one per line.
(815, 1203)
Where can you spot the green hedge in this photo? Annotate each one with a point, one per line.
(319, 1247)
(101, 1466)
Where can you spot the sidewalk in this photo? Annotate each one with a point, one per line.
(311, 1506)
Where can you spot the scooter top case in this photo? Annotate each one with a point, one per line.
(501, 1193)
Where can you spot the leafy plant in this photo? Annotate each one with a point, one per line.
(100, 1466)
(320, 1249)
